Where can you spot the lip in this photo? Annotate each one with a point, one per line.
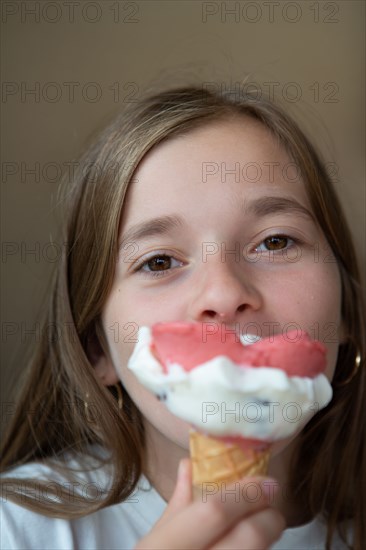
(246, 338)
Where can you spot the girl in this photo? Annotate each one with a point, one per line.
(193, 206)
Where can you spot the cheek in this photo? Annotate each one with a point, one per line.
(324, 305)
(120, 325)
(155, 412)
(128, 309)
(310, 300)
(331, 361)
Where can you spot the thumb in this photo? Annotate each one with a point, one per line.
(182, 495)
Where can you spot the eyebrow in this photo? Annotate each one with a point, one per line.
(265, 206)
(261, 207)
(151, 228)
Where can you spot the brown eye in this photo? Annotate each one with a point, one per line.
(277, 242)
(159, 263)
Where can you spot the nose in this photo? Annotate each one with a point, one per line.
(224, 294)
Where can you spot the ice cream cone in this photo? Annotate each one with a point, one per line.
(214, 461)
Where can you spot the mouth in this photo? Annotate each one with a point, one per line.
(249, 339)
(246, 338)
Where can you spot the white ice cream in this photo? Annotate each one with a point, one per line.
(220, 398)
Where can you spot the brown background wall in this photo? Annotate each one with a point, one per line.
(83, 59)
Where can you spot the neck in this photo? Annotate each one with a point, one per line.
(163, 457)
(285, 501)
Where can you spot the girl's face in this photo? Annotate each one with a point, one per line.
(217, 227)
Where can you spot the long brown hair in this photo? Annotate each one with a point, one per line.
(51, 419)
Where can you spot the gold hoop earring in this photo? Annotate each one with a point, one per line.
(354, 370)
(88, 416)
(119, 396)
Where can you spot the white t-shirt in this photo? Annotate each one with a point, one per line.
(116, 527)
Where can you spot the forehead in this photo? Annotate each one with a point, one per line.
(214, 165)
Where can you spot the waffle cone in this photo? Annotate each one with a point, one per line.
(214, 461)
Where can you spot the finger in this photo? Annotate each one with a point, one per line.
(248, 489)
(202, 523)
(257, 532)
(182, 495)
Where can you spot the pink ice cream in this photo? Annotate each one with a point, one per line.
(190, 345)
(232, 387)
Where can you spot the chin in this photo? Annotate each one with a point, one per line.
(281, 454)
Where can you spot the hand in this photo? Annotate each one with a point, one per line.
(226, 521)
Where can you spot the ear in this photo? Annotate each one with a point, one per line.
(105, 371)
(103, 366)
